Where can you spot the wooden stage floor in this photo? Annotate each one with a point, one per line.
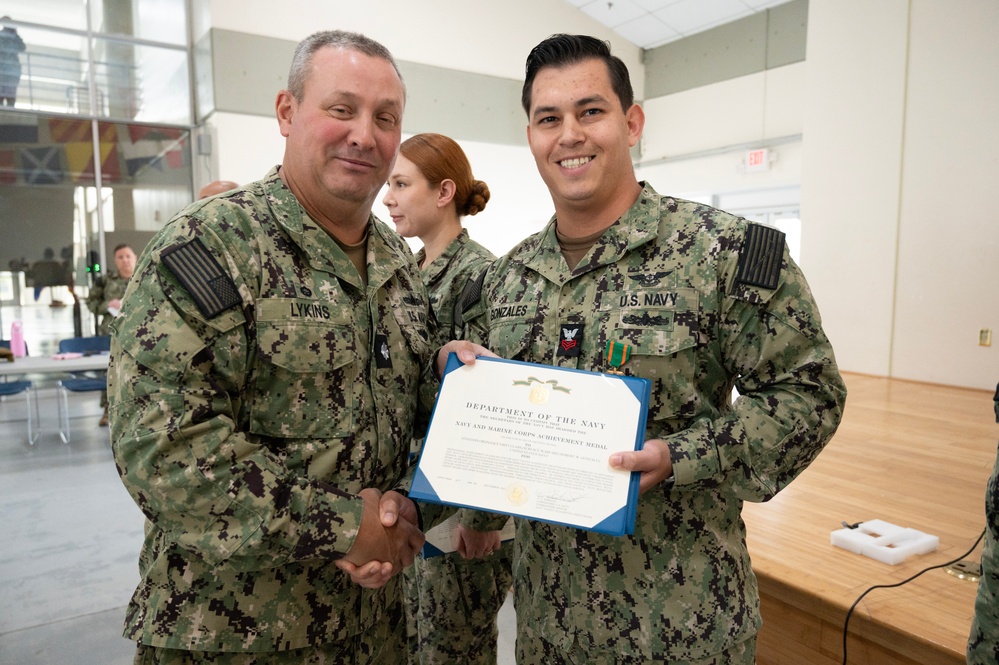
(916, 455)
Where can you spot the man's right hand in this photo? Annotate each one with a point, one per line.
(381, 551)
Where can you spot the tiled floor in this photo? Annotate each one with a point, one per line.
(71, 533)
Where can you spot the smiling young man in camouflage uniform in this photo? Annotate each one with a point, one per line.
(263, 392)
(698, 302)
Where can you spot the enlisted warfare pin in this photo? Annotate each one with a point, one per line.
(383, 356)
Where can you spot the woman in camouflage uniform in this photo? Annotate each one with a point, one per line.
(451, 600)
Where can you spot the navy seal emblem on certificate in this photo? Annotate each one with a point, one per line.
(533, 441)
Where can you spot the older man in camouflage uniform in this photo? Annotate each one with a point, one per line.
(983, 642)
(698, 302)
(104, 300)
(263, 392)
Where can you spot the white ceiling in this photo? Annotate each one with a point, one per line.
(651, 23)
(645, 23)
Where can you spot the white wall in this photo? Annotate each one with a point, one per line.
(900, 230)
(850, 174)
(247, 146)
(695, 141)
(948, 260)
(723, 173)
(753, 108)
(482, 37)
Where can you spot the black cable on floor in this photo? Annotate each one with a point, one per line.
(846, 623)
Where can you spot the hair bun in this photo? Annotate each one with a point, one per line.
(477, 198)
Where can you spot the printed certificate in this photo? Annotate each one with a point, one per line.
(533, 441)
(440, 539)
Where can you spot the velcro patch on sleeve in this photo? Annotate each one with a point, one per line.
(211, 287)
(760, 260)
(470, 295)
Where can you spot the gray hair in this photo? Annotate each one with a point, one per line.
(353, 41)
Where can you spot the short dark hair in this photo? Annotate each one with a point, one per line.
(561, 50)
(120, 247)
(352, 41)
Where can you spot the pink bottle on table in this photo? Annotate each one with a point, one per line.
(17, 339)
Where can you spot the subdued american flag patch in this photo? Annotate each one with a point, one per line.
(211, 287)
(469, 296)
(761, 257)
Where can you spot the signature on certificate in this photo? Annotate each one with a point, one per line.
(564, 496)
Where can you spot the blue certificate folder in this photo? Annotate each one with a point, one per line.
(618, 523)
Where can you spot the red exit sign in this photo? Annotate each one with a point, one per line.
(757, 160)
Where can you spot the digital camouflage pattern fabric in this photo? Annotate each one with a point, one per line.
(463, 260)
(983, 642)
(457, 604)
(380, 645)
(244, 436)
(663, 281)
(452, 603)
(105, 289)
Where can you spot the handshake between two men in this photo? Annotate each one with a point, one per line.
(390, 537)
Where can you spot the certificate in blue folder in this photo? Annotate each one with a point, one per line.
(533, 441)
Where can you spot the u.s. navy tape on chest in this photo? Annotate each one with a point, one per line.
(211, 287)
(761, 257)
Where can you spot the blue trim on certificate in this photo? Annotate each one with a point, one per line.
(430, 551)
(621, 522)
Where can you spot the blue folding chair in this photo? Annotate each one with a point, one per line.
(16, 387)
(84, 382)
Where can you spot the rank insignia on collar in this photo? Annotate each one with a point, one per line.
(617, 354)
(570, 340)
(383, 356)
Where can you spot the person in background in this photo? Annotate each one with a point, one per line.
(429, 191)
(217, 187)
(263, 386)
(983, 642)
(698, 302)
(104, 300)
(48, 272)
(11, 45)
